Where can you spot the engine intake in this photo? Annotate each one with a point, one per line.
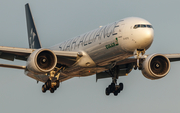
(155, 66)
(41, 61)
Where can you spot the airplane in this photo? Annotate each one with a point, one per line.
(110, 51)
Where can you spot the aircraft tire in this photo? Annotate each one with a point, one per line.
(55, 88)
(107, 91)
(115, 93)
(57, 83)
(44, 89)
(52, 90)
(121, 86)
(112, 87)
(48, 84)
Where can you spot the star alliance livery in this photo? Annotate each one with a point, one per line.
(108, 51)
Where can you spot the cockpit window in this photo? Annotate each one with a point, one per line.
(149, 26)
(142, 26)
(136, 26)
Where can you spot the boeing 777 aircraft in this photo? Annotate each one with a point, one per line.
(108, 51)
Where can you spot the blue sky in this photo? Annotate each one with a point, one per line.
(57, 21)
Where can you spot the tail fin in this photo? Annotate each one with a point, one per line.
(33, 38)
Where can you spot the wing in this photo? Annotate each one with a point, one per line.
(11, 53)
(125, 66)
(171, 57)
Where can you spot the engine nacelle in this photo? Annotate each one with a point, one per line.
(155, 66)
(41, 61)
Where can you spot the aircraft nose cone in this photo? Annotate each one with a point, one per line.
(149, 34)
(144, 38)
(148, 37)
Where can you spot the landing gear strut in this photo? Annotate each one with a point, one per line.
(113, 87)
(137, 54)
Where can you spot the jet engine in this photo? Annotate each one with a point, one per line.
(155, 66)
(41, 61)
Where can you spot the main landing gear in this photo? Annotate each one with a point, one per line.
(116, 89)
(113, 87)
(51, 86)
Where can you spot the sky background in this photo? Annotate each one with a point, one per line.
(58, 20)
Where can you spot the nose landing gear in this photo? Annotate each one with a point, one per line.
(137, 54)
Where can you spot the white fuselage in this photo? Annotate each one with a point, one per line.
(105, 45)
(111, 43)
